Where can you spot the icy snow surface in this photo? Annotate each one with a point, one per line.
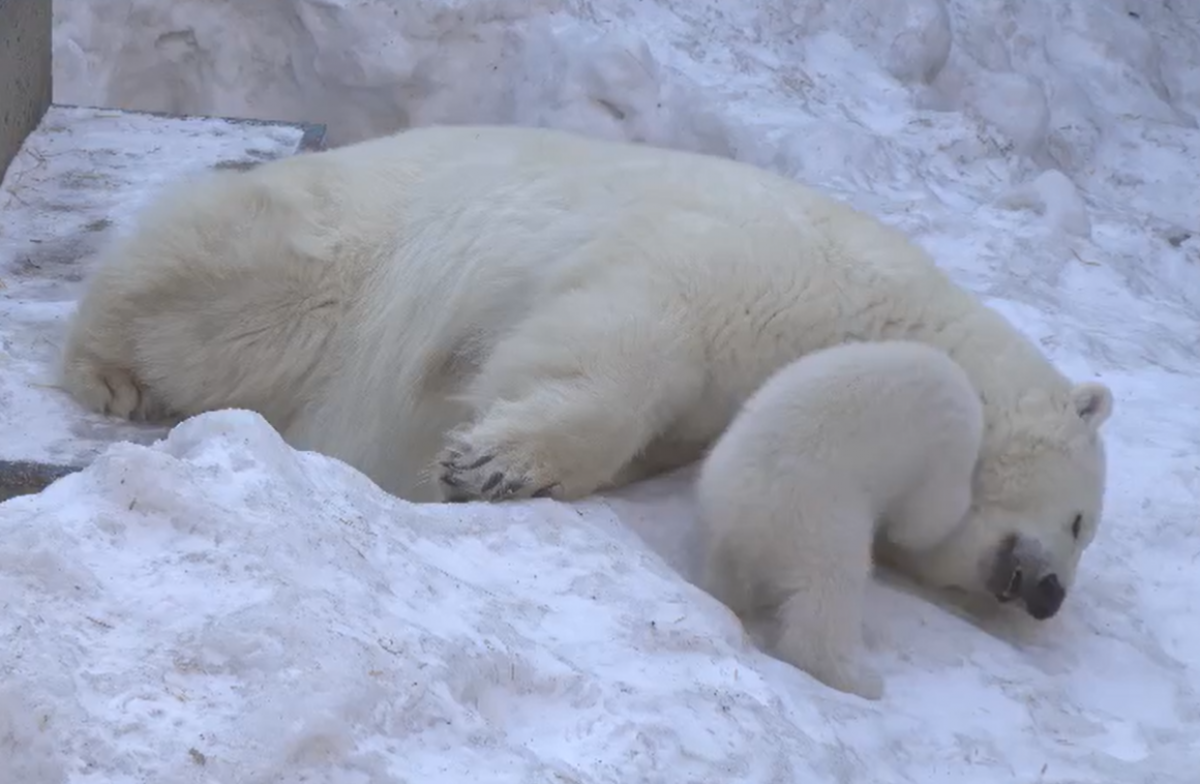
(219, 608)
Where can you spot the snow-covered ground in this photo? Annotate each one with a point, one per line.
(219, 608)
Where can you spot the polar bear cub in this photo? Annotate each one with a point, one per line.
(847, 443)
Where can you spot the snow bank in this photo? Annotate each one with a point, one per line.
(367, 67)
(907, 107)
(218, 605)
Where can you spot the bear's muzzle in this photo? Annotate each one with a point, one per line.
(1017, 572)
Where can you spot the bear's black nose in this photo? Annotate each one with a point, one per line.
(1046, 597)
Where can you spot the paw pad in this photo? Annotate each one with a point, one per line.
(467, 476)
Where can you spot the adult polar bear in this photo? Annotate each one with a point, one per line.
(579, 313)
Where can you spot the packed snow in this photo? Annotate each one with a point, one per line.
(217, 607)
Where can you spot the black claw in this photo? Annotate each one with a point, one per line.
(545, 491)
(492, 481)
(511, 488)
(480, 462)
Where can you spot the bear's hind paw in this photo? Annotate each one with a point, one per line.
(465, 473)
(115, 392)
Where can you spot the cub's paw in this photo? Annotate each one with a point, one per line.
(826, 641)
(845, 674)
(476, 470)
(858, 679)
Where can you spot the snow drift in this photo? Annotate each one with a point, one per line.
(251, 611)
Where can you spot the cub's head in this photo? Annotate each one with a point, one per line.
(1038, 496)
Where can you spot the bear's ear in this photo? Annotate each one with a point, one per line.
(1093, 403)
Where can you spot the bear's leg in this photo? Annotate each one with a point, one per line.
(821, 612)
(721, 577)
(570, 397)
(98, 359)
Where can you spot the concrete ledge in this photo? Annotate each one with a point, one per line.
(25, 72)
(26, 478)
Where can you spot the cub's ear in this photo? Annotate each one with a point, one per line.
(1093, 402)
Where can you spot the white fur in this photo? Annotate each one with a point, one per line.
(578, 313)
(836, 447)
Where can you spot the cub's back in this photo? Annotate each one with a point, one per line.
(861, 409)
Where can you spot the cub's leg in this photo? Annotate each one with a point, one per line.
(788, 538)
(821, 590)
(571, 396)
(821, 632)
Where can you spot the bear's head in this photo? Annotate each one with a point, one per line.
(1037, 500)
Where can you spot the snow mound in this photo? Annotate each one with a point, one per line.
(27, 750)
(220, 607)
(220, 602)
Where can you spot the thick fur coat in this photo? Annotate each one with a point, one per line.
(500, 312)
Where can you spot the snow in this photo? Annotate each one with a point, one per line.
(217, 607)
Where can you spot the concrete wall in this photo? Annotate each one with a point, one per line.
(24, 71)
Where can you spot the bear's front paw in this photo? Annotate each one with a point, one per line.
(469, 471)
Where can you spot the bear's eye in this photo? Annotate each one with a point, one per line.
(1076, 526)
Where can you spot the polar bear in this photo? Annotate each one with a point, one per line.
(841, 446)
(490, 312)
